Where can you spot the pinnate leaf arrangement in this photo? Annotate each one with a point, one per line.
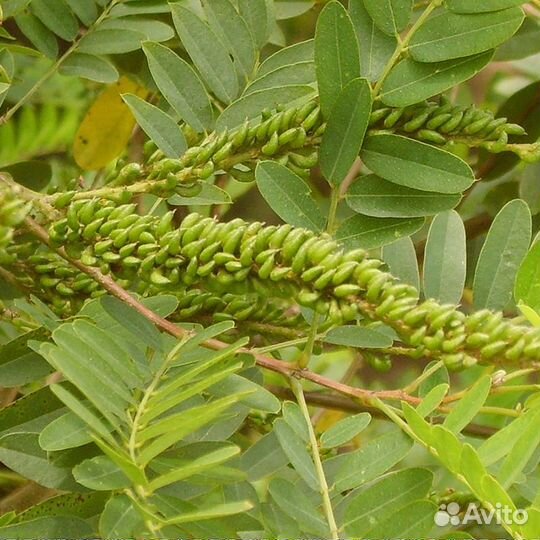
(253, 252)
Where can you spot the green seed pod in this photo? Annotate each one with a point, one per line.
(312, 119)
(514, 129)
(287, 119)
(493, 349)
(417, 122)
(91, 230)
(418, 336)
(207, 171)
(72, 216)
(304, 112)
(393, 118)
(223, 258)
(241, 136)
(243, 176)
(377, 115)
(266, 268)
(86, 213)
(48, 282)
(324, 280)
(102, 246)
(288, 136)
(346, 290)
(439, 120)
(127, 250)
(277, 239)
(132, 261)
(515, 352)
(278, 274)
(311, 274)
(64, 199)
(147, 249)
(223, 153)
(111, 257)
(304, 161)
(431, 136)
(157, 278)
(123, 211)
(477, 126)
(272, 146)
(299, 258)
(344, 272)
(64, 290)
(379, 363)
(452, 124)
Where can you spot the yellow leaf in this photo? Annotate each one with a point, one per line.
(107, 127)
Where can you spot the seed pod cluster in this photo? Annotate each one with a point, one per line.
(281, 134)
(240, 259)
(13, 210)
(440, 123)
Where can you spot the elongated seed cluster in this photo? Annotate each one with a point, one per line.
(12, 212)
(203, 261)
(292, 136)
(438, 123)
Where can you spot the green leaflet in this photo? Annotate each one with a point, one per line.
(120, 519)
(358, 336)
(292, 414)
(527, 286)
(86, 11)
(373, 196)
(233, 30)
(293, 54)
(469, 405)
(416, 165)
(67, 431)
(111, 41)
(49, 527)
(371, 232)
(376, 47)
(374, 504)
(303, 510)
(412, 521)
(299, 73)
(390, 16)
(180, 86)
(445, 259)
(158, 125)
(289, 196)
(344, 135)
(38, 34)
(370, 461)
(89, 66)
(410, 82)
(465, 6)
(57, 17)
(452, 35)
(257, 16)
(344, 430)
(295, 449)
(100, 474)
(524, 43)
(400, 256)
(208, 55)
(337, 56)
(505, 247)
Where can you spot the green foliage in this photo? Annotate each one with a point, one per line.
(242, 245)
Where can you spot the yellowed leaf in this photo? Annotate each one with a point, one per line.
(107, 127)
